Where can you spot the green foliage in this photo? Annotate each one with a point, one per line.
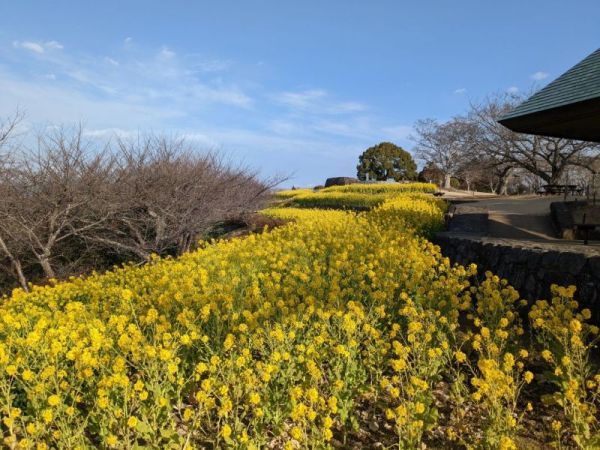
(386, 160)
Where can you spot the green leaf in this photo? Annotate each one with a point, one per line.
(143, 428)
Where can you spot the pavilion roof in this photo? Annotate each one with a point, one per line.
(568, 107)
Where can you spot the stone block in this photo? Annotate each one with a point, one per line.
(550, 260)
(571, 262)
(340, 181)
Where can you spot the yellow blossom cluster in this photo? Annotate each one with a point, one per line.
(567, 340)
(356, 200)
(352, 200)
(290, 193)
(306, 214)
(384, 188)
(284, 339)
(500, 371)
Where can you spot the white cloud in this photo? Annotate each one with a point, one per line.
(142, 79)
(355, 129)
(300, 99)
(111, 61)
(316, 101)
(28, 45)
(38, 47)
(54, 45)
(155, 89)
(512, 90)
(229, 95)
(87, 87)
(166, 53)
(51, 102)
(538, 76)
(89, 79)
(460, 91)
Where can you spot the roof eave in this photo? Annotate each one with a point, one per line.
(580, 120)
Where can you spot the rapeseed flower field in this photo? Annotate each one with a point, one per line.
(341, 329)
(383, 188)
(356, 196)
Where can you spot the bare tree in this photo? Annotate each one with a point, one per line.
(50, 191)
(464, 147)
(11, 243)
(472, 172)
(164, 195)
(68, 205)
(445, 145)
(8, 127)
(546, 157)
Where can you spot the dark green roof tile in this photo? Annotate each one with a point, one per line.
(581, 82)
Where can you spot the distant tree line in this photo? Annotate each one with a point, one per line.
(477, 151)
(69, 205)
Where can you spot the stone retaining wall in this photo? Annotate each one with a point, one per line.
(566, 214)
(530, 267)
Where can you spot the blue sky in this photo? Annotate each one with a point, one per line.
(294, 87)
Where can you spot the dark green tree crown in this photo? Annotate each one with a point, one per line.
(386, 160)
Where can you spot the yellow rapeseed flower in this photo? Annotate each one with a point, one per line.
(132, 422)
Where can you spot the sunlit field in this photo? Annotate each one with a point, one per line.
(341, 329)
(357, 196)
(383, 188)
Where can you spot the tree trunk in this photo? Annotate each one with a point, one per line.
(46, 266)
(185, 243)
(503, 186)
(16, 265)
(20, 275)
(503, 178)
(555, 176)
(447, 179)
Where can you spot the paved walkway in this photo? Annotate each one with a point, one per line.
(517, 217)
(523, 217)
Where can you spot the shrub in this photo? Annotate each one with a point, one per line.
(68, 206)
